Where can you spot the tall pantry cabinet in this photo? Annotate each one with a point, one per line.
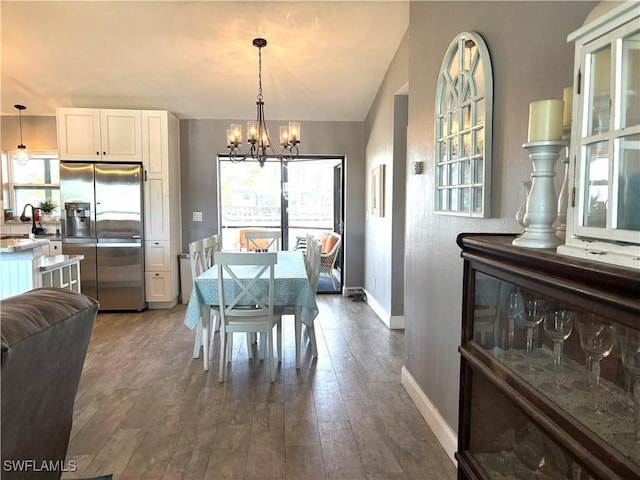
(162, 220)
(151, 137)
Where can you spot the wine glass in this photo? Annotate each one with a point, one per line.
(514, 310)
(596, 340)
(625, 405)
(536, 311)
(629, 341)
(558, 325)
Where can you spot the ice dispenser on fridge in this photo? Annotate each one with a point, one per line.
(77, 219)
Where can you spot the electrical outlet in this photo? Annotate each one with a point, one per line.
(197, 216)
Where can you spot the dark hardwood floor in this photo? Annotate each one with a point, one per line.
(147, 410)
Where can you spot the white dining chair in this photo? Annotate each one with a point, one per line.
(203, 329)
(212, 244)
(264, 240)
(313, 258)
(235, 290)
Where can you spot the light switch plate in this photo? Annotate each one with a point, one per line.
(197, 216)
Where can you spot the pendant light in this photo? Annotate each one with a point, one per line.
(22, 157)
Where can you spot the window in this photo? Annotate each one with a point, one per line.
(32, 183)
(463, 129)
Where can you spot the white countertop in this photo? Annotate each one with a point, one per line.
(10, 245)
(57, 261)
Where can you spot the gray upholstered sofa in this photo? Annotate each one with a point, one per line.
(45, 334)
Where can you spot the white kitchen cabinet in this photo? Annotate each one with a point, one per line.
(55, 247)
(162, 216)
(111, 135)
(157, 256)
(158, 287)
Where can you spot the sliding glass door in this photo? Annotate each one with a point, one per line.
(299, 197)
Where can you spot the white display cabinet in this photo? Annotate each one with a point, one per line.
(603, 217)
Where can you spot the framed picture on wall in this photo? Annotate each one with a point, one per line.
(377, 191)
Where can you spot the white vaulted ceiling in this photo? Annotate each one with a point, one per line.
(325, 60)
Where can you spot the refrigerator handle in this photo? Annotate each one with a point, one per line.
(137, 237)
(145, 175)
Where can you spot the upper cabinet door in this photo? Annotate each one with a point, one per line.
(155, 142)
(121, 133)
(79, 134)
(87, 134)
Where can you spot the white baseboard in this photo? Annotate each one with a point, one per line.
(441, 429)
(393, 322)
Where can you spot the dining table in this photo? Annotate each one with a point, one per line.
(292, 288)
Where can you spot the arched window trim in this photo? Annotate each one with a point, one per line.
(463, 177)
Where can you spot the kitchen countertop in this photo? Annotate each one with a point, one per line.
(10, 245)
(57, 261)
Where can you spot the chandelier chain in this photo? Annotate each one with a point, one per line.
(259, 74)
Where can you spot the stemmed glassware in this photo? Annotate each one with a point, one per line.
(514, 310)
(558, 325)
(596, 340)
(536, 311)
(629, 341)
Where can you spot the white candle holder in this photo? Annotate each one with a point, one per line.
(542, 204)
(563, 198)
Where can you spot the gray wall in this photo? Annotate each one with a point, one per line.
(202, 140)
(385, 128)
(38, 133)
(531, 61)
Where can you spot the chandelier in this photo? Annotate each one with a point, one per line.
(257, 133)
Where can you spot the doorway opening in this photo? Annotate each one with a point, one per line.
(299, 197)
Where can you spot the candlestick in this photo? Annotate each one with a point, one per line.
(541, 203)
(545, 120)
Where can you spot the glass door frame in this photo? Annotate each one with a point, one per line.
(338, 207)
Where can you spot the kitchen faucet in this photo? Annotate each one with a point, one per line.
(24, 218)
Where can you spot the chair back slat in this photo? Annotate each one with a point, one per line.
(196, 258)
(211, 245)
(261, 240)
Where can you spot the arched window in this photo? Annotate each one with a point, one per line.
(463, 120)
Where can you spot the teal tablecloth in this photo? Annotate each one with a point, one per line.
(292, 288)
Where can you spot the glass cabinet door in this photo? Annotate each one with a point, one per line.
(585, 365)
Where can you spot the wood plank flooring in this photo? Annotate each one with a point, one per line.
(146, 409)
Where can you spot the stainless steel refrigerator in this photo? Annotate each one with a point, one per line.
(102, 220)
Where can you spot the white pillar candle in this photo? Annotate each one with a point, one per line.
(545, 120)
(567, 97)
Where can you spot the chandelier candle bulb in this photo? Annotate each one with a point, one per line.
(284, 136)
(236, 134)
(294, 132)
(567, 98)
(545, 120)
(252, 131)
